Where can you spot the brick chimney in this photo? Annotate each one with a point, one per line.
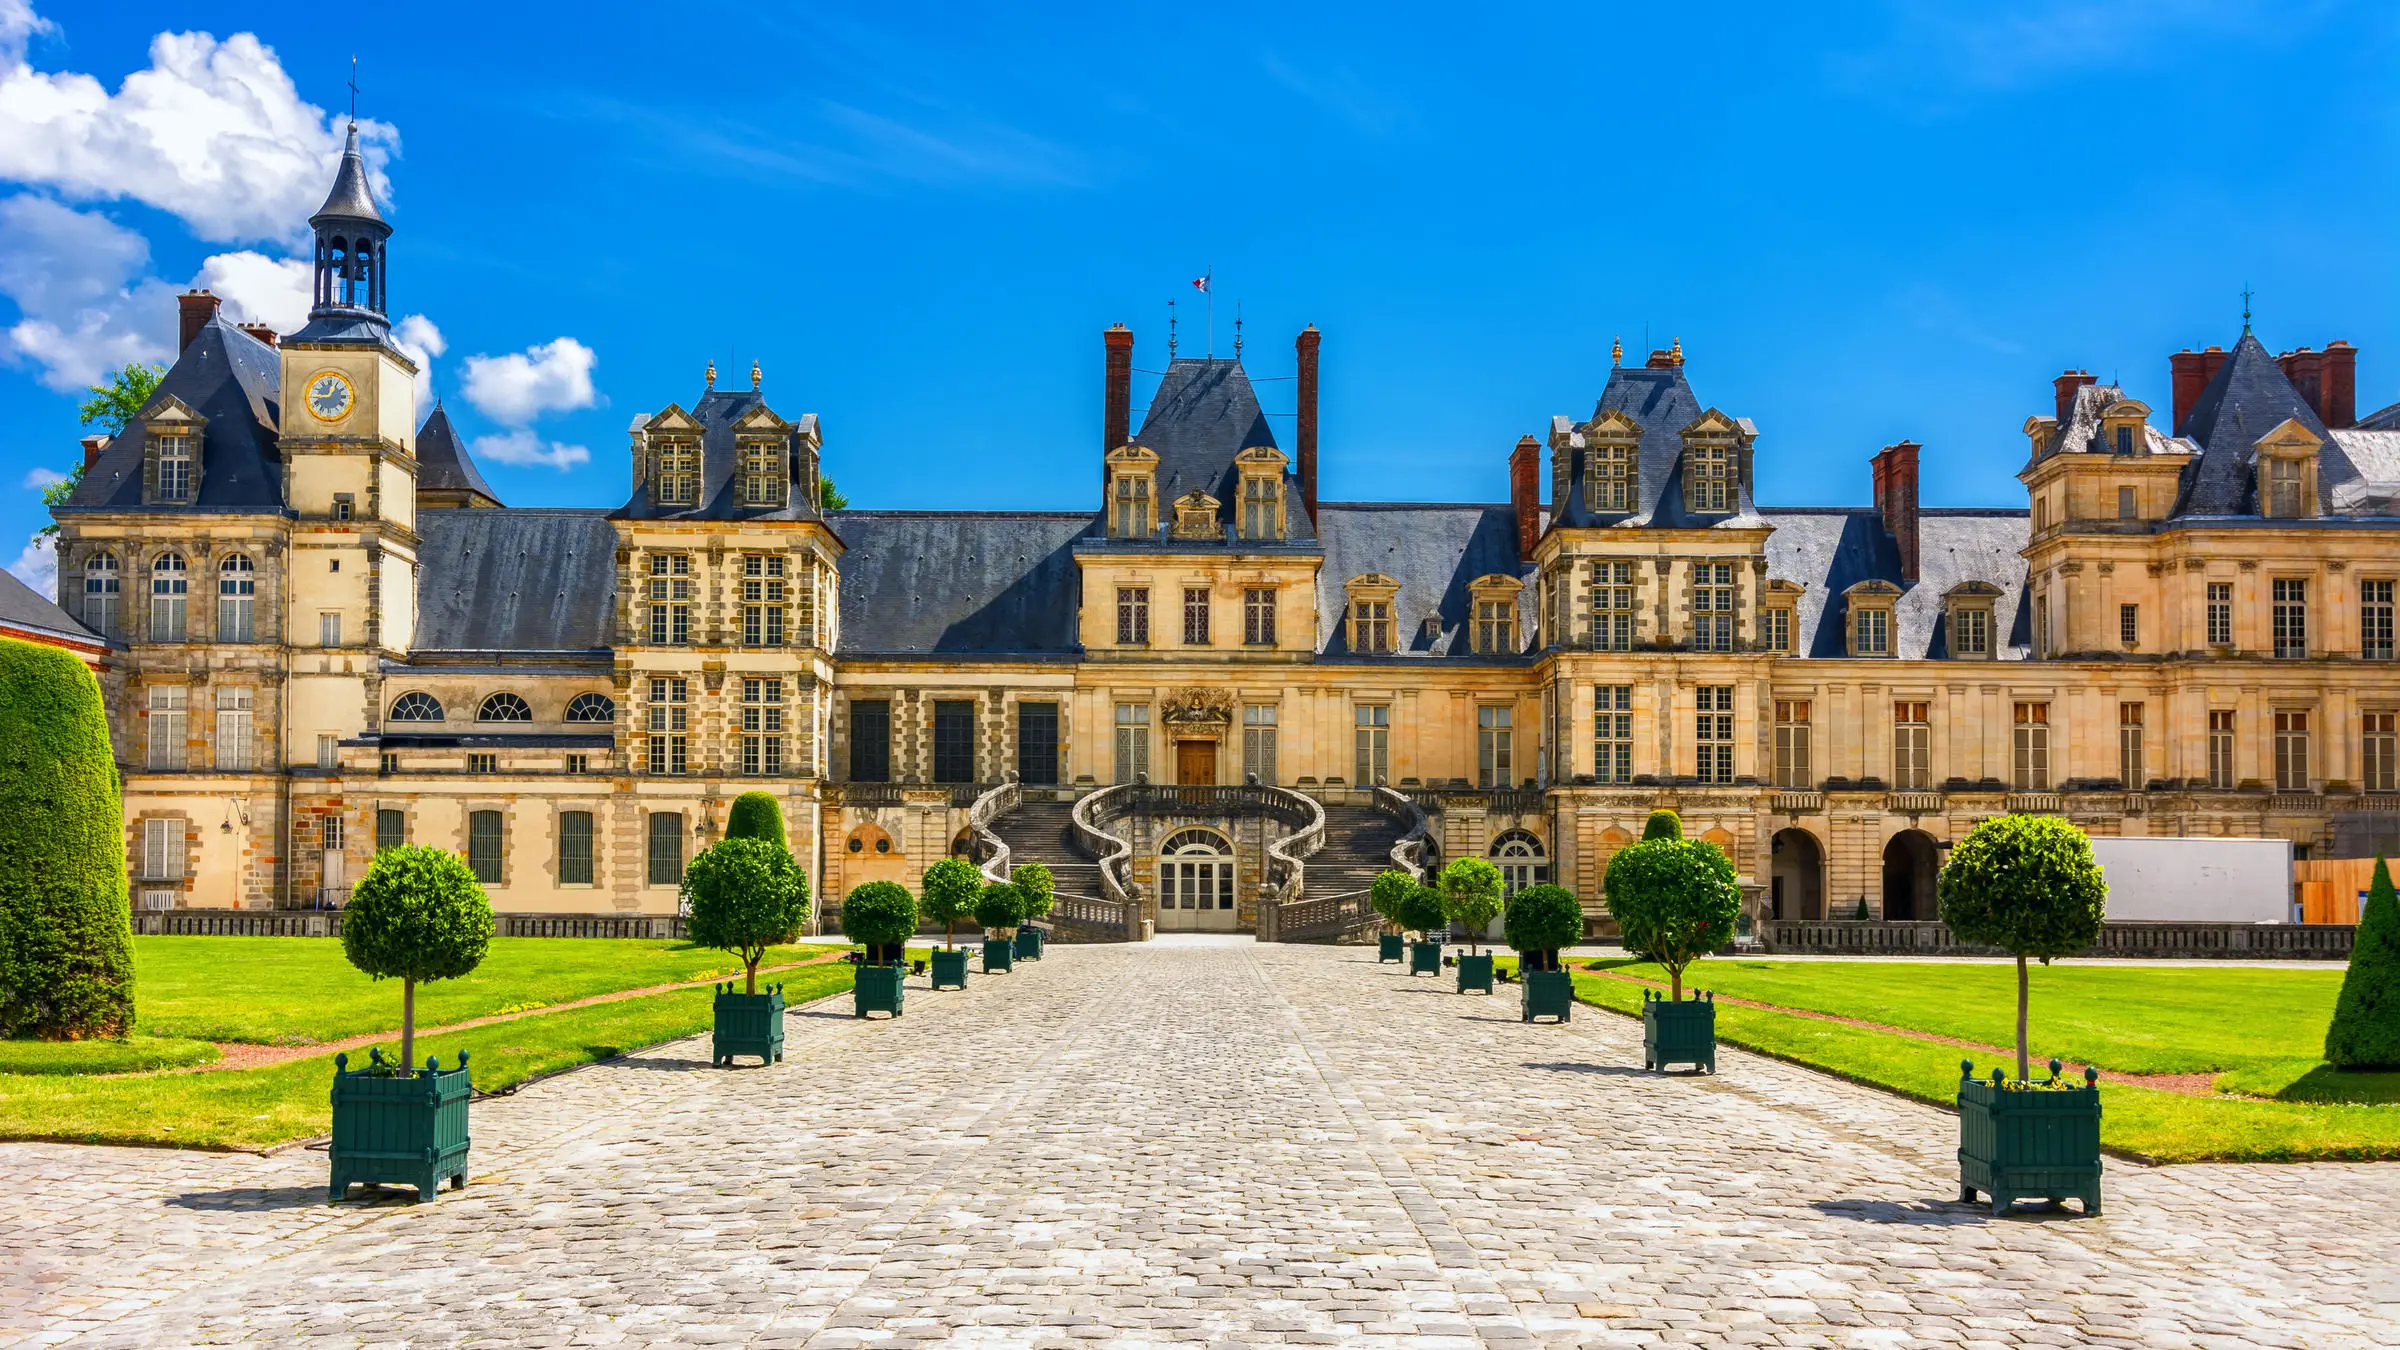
(1525, 493)
(92, 446)
(1304, 448)
(2066, 385)
(194, 309)
(2306, 370)
(1896, 500)
(1116, 418)
(2340, 408)
(2193, 370)
(262, 332)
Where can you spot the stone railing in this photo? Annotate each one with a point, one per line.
(2251, 941)
(2037, 804)
(866, 794)
(1415, 853)
(1287, 857)
(1115, 855)
(1798, 802)
(1323, 918)
(2295, 804)
(1913, 803)
(987, 808)
(1106, 920)
(328, 923)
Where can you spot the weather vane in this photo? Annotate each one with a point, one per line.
(2246, 294)
(354, 88)
(1170, 330)
(1237, 330)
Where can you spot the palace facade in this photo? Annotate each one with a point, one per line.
(329, 635)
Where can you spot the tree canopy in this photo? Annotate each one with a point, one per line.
(1390, 887)
(418, 915)
(1543, 919)
(1421, 911)
(950, 887)
(1039, 885)
(1674, 901)
(745, 896)
(1000, 907)
(879, 914)
(757, 815)
(2029, 886)
(1663, 825)
(1471, 891)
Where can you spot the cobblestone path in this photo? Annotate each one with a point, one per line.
(1225, 1146)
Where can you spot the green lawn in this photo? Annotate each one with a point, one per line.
(135, 1055)
(254, 1108)
(2132, 1020)
(302, 991)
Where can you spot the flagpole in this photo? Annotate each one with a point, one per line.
(1211, 289)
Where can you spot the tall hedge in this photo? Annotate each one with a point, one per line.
(1663, 825)
(2366, 1020)
(756, 815)
(2029, 886)
(66, 927)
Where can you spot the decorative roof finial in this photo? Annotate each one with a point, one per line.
(712, 372)
(1616, 351)
(1675, 352)
(1237, 330)
(2246, 294)
(755, 376)
(354, 88)
(1170, 331)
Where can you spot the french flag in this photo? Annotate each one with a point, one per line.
(1201, 283)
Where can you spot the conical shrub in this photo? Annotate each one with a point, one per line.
(2366, 1020)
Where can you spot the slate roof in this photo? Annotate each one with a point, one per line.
(2373, 488)
(1662, 401)
(2383, 419)
(1827, 550)
(353, 194)
(1204, 413)
(517, 579)
(2080, 434)
(717, 412)
(27, 610)
(443, 463)
(1433, 550)
(2248, 398)
(233, 380)
(993, 584)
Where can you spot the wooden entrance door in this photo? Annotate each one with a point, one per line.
(1196, 763)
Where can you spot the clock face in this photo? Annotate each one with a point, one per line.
(329, 396)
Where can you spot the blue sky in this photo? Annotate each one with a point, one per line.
(1866, 222)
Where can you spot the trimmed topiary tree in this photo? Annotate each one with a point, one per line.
(1039, 886)
(1663, 825)
(950, 888)
(1674, 900)
(745, 895)
(418, 915)
(756, 815)
(1539, 921)
(2029, 886)
(2366, 1020)
(1390, 887)
(879, 914)
(1000, 907)
(66, 928)
(1421, 911)
(1471, 896)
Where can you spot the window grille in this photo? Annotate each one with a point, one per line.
(2375, 620)
(1912, 746)
(1495, 627)
(391, 828)
(2291, 618)
(237, 600)
(415, 707)
(870, 741)
(1195, 616)
(504, 707)
(1372, 622)
(1521, 861)
(2379, 757)
(954, 742)
(1791, 743)
(1259, 733)
(1713, 732)
(483, 846)
(163, 848)
(1133, 741)
(575, 848)
(1873, 627)
(666, 848)
(483, 763)
(2291, 751)
(764, 594)
(2220, 614)
(103, 594)
(1711, 488)
(1612, 733)
(1258, 616)
(1373, 743)
(678, 473)
(669, 724)
(2129, 625)
(762, 727)
(2132, 764)
(1037, 744)
(1970, 632)
(591, 708)
(170, 594)
(1494, 740)
(1712, 607)
(169, 729)
(2221, 748)
(1612, 606)
(1610, 485)
(670, 599)
(1259, 504)
(2283, 488)
(2032, 747)
(234, 727)
(1776, 629)
(175, 468)
(1133, 616)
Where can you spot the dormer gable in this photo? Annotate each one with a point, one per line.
(2287, 470)
(1132, 492)
(174, 435)
(1196, 516)
(1712, 445)
(667, 458)
(1259, 473)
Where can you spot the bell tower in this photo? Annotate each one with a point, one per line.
(348, 438)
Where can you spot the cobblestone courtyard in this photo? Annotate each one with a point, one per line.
(1226, 1145)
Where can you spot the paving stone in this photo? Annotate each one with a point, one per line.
(1219, 1146)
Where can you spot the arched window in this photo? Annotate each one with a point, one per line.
(504, 708)
(237, 599)
(415, 707)
(170, 594)
(1195, 881)
(592, 708)
(103, 593)
(1521, 859)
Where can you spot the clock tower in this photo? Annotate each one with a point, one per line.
(348, 436)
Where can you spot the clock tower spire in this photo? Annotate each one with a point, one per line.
(351, 236)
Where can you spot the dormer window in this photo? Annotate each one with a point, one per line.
(171, 448)
(1133, 506)
(1262, 493)
(678, 472)
(1609, 485)
(1494, 597)
(2287, 471)
(1369, 602)
(762, 473)
(1132, 493)
(175, 467)
(2283, 488)
(1871, 618)
(1778, 606)
(1711, 486)
(1968, 608)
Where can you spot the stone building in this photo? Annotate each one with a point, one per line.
(332, 636)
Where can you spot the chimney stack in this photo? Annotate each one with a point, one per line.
(1896, 499)
(262, 332)
(1525, 493)
(194, 309)
(1305, 439)
(92, 446)
(2306, 370)
(1116, 419)
(2066, 385)
(2193, 370)
(2340, 408)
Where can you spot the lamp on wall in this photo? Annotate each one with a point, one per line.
(233, 806)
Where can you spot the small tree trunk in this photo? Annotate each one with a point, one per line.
(408, 1026)
(2023, 1071)
(1675, 983)
(750, 974)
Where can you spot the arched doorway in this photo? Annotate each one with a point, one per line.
(1195, 883)
(1796, 888)
(1910, 862)
(1521, 859)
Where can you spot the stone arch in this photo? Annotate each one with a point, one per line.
(1911, 862)
(1796, 886)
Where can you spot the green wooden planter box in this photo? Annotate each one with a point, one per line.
(950, 967)
(410, 1131)
(998, 954)
(1029, 944)
(1548, 993)
(880, 989)
(1391, 947)
(2028, 1141)
(748, 1024)
(1679, 1031)
(1424, 958)
(1475, 972)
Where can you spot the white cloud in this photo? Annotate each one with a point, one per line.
(214, 132)
(523, 448)
(37, 566)
(260, 289)
(547, 377)
(18, 25)
(81, 309)
(38, 477)
(420, 341)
